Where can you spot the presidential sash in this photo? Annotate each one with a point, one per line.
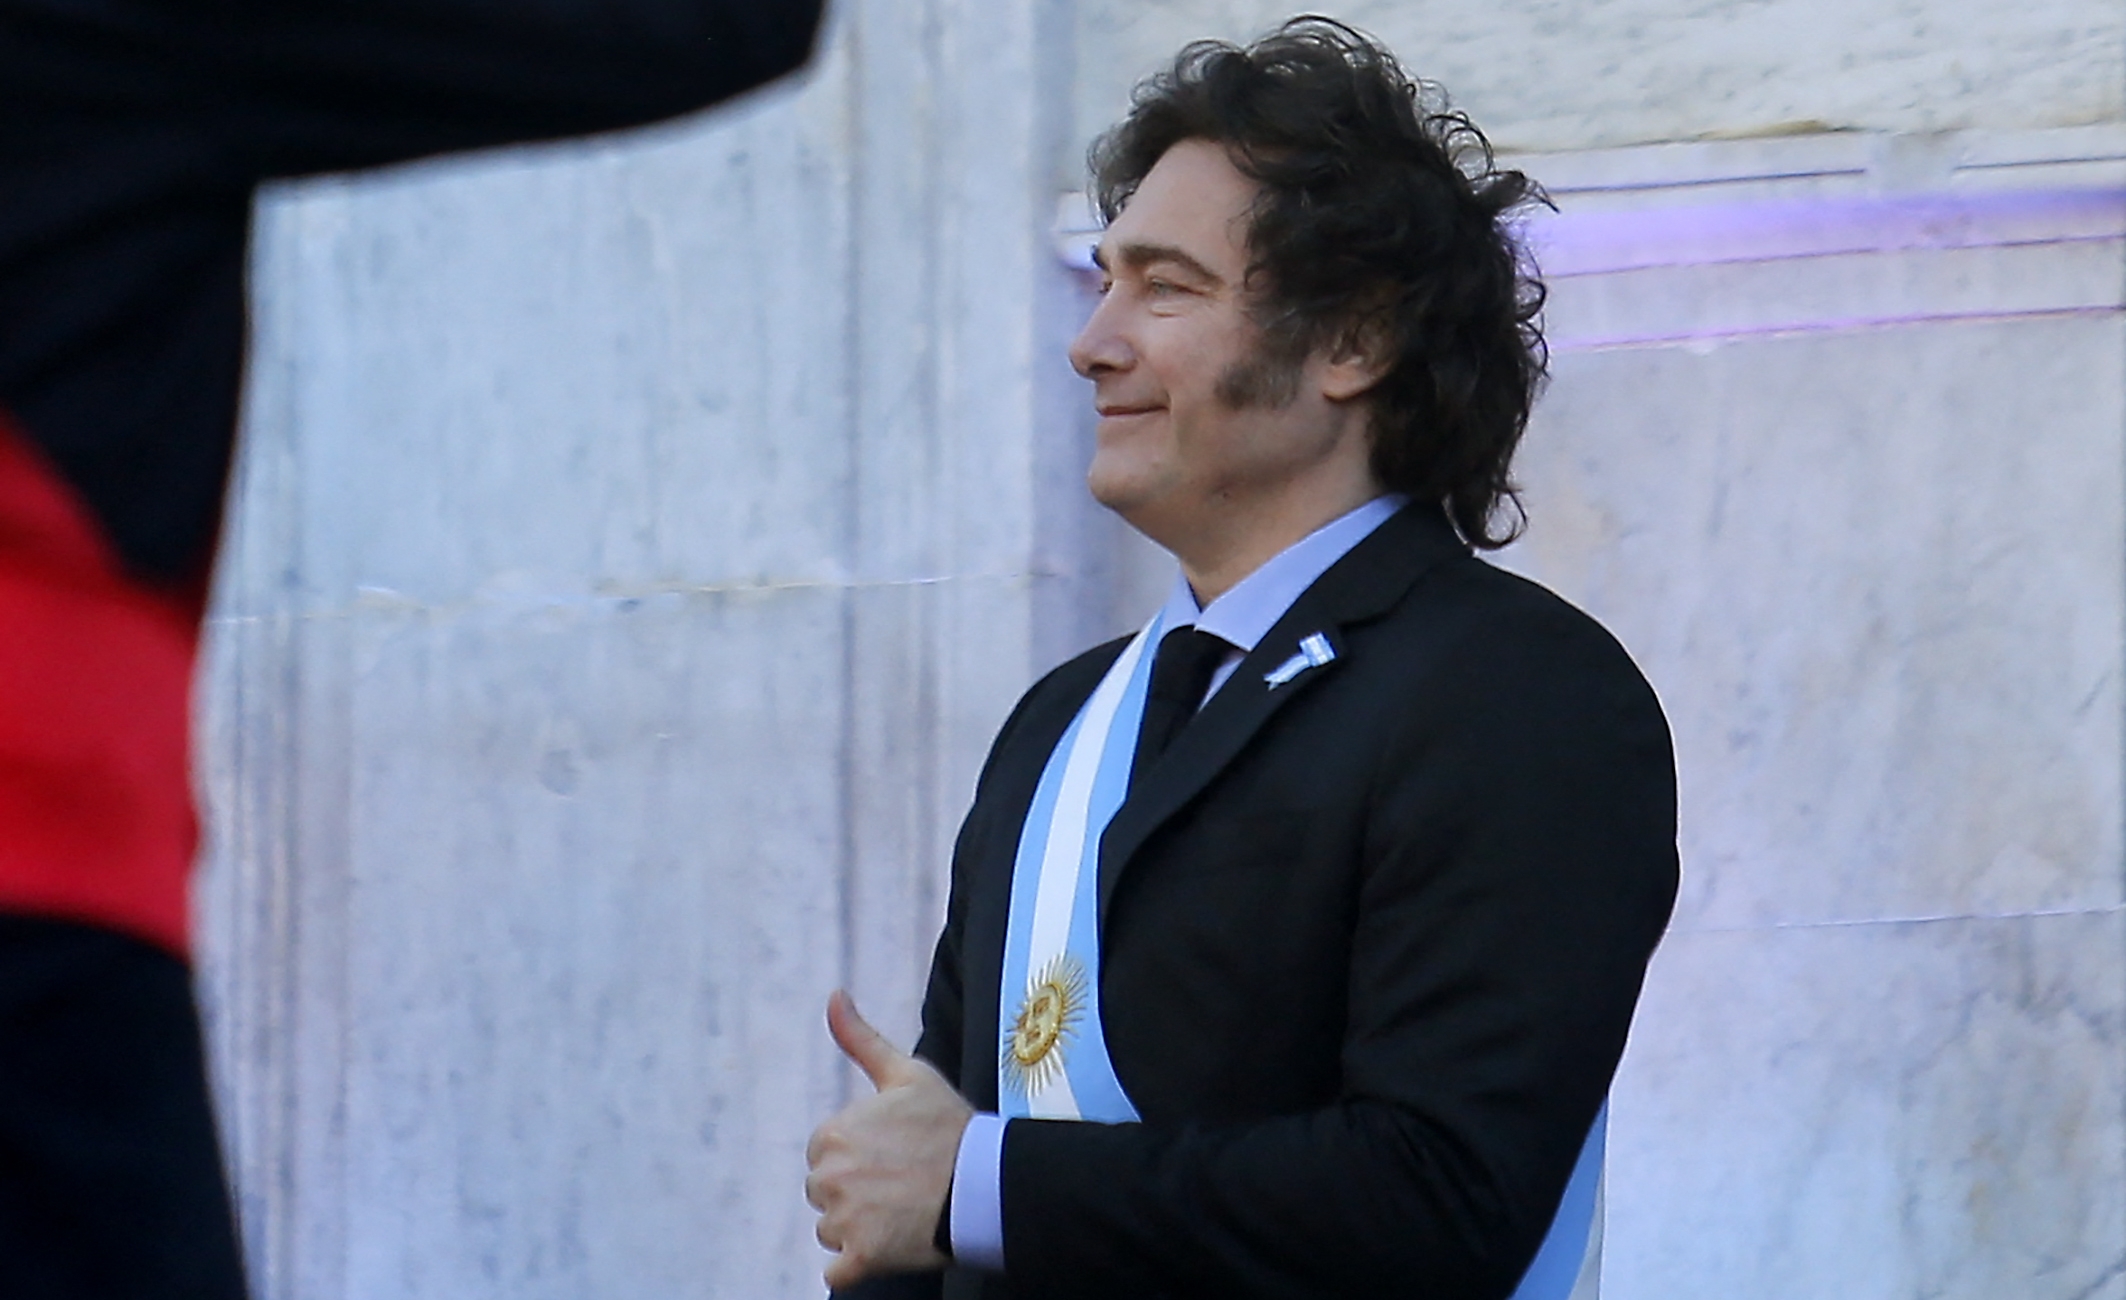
(1052, 1060)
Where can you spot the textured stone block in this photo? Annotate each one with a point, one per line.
(593, 916)
(1548, 74)
(552, 369)
(1875, 1112)
(1877, 578)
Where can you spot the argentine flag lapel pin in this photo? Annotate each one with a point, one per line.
(1314, 651)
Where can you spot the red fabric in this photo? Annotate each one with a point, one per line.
(96, 815)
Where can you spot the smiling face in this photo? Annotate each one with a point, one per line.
(1205, 445)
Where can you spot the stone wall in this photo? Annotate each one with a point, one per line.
(1837, 453)
(637, 543)
(1557, 74)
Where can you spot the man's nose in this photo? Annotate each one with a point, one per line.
(1100, 347)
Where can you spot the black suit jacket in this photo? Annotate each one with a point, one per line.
(1370, 946)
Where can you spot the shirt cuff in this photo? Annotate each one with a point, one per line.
(977, 1195)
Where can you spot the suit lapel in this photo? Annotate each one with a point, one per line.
(1362, 585)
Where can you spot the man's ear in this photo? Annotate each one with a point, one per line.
(1360, 358)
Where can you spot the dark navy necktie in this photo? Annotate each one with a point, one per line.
(1181, 673)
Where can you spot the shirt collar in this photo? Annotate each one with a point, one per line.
(1247, 612)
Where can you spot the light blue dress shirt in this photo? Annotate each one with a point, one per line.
(1243, 616)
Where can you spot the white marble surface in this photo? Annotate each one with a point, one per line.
(1876, 1112)
(563, 374)
(1834, 444)
(1837, 164)
(1842, 468)
(594, 901)
(1828, 232)
(1876, 577)
(1546, 74)
(1844, 291)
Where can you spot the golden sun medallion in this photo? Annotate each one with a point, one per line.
(1055, 1002)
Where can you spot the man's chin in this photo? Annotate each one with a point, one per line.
(1118, 492)
(1136, 503)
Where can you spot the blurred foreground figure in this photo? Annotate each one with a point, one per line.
(1292, 942)
(133, 134)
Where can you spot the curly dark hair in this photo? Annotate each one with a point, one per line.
(1384, 221)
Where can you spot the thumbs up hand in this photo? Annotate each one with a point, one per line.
(884, 1064)
(880, 1169)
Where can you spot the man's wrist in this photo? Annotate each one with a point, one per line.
(974, 1207)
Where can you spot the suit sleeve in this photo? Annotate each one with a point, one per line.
(1517, 870)
(298, 86)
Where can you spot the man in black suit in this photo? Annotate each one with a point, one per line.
(1388, 834)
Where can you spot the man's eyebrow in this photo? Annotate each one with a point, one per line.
(1137, 256)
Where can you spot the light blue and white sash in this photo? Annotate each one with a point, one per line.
(1052, 1060)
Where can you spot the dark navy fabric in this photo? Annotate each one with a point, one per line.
(110, 1179)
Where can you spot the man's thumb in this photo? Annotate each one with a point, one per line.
(879, 1059)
